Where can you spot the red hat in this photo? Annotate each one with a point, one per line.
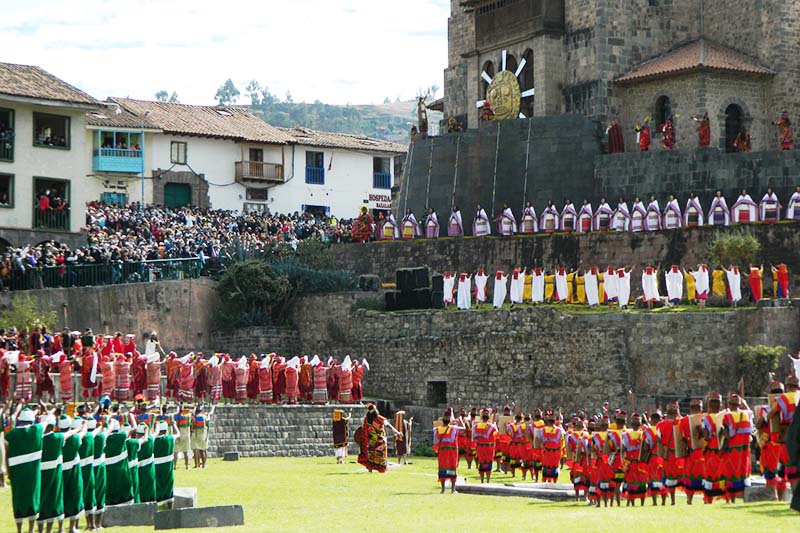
(538, 271)
(704, 266)
(593, 270)
(447, 275)
(561, 270)
(462, 277)
(648, 270)
(549, 415)
(480, 272)
(621, 272)
(733, 398)
(675, 268)
(610, 269)
(516, 273)
(636, 416)
(499, 275)
(714, 396)
(620, 415)
(506, 410)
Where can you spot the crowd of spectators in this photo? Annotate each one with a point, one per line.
(129, 234)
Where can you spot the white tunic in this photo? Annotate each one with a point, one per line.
(480, 287)
(537, 289)
(700, 281)
(517, 287)
(674, 285)
(464, 293)
(734, 284)
(624, 288)
(650, 286)
(610, 284)
(591, 288)
(449, 285)
(561, 286)
(500, 291)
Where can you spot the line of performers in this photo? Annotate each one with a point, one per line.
(705, 453)
(612, 286)
(62, 467)
(640, 217)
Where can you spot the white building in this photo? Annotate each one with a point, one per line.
(43, 150)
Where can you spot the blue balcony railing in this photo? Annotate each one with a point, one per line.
(315, 175)
(117, 160)
(6, 149)
(381, 180)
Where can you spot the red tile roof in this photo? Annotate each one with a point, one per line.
(696, 55)
(33, 82)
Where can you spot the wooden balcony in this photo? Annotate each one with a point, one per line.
(258, 172)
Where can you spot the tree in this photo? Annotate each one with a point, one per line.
(735, 248)
(227, 94)
(253, 90)
(251, 293)
(164, 96)
(25, 312)
(386, 101)
(289, 99)
(756, 364)
(267, 98)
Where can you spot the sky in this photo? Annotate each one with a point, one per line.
(334, 51)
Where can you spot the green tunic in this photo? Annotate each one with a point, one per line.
(24, 470)
(52, 504)
(147, 472)
(118, 476)
(163, 449)
(133, 467)
(99, 467)
(72, 478)
(86, 453)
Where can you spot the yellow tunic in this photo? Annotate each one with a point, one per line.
(718, 283)
(549, 287)
(774, 284)
(570, 285)
(691, 289)
(527, 290)
(580, 290)
(601, 294)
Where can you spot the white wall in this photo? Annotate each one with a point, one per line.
(120, 182)
(347, 187)
(71, 164)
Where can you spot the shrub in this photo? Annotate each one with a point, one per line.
(738, 247)
(315, 254)
(252, 293)
(755, 363)
(423, 450)
(25, 312)
(306, 280)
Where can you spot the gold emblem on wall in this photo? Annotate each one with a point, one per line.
(504, 94)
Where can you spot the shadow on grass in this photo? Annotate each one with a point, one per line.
(769, 508)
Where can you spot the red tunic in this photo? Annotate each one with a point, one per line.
(185, 381)
(306, 381)
(215, 381)
(292, 381)
(24, 390)
(265, 384)
(109, 380)
(87, 361)
(240, 379)
(358, 375)
(153, 380)
(635, 473)
(737, 456)
(694, 466)
(41, 367)
(65, 380)
(227, 377)
(644, 139)
(278, 380)
(446, 447)
(139, 373)
(201, 378)
(484, 434)
(253, 387)
(551, 439)
(713, 471)
(345, 386)
(122, 389)
(704, 132)
(673, 466)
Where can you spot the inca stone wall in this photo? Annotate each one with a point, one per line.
(277, 430)
(278, 339)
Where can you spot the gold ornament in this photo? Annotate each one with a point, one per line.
(504, 94)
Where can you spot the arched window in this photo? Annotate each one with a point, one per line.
(526, 82)
(488, 68)
(663, 109)
(733, 125)
(511, 63)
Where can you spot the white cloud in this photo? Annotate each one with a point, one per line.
(336, 51)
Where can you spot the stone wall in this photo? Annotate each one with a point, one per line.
(277, 431)
(258, 340)
(23, 237)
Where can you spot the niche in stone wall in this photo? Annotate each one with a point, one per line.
(437, 393)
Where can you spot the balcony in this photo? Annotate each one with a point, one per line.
(117, 160)
(52, 219)
(381, 180)
(258, 172)
(6, 149)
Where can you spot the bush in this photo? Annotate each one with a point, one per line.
(755, 363)
(25, 313)
(738, 247)
(252, 293)
(315, 254)
(306, 280)
(423, 450)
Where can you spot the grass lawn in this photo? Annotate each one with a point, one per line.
(284, 494)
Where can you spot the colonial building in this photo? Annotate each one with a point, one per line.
(632, 59)
(44, 154)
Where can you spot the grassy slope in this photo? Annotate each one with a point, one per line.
(317, 495)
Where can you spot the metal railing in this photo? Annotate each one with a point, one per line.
(57, 219)
(88, 275)
(6, 149)
(315, 175)
(381, 180)
(118, 152)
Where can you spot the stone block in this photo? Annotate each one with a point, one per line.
(760, 493)
(369, 282)
(139, 514)
(230, 456)
(218, 516)
(185, 497)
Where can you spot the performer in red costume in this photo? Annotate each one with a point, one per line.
(785, 131)
(616, 143)
(445, 445)
(484, 434)
(673, 465)
(703, 130)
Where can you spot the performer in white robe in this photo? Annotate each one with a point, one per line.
(569, 217)
(770, 208)
(610, 285)
(653, 220)
(517, 286)
(745, 210)
(449, 287)
(480, 286)
(455, 227)
(701, 284)
(624, 287)
(603, 217)
(431, 225)
(506, 222)
(464, 291)
(591, 286)
(410, 227)
(693, 214)
(734, 284)
(561, 285)
(480, 224)
(674, 278)
(500, 289)
(537, 288)
(793, 210)
(638, 216)
(549, 221)
(650, 286)
(672, 214)
(718, 213)
(585, 218)
(529, 223)
(622, 216)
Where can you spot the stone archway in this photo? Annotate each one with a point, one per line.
(196, 182)
(734, 115)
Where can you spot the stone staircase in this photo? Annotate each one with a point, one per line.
(277, 430)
